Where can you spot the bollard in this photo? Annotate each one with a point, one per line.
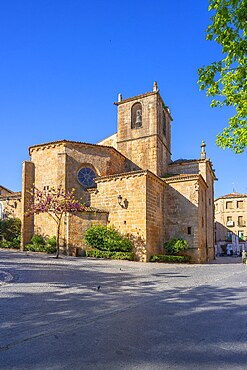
(244, 257)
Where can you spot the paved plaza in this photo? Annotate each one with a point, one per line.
(79, 313)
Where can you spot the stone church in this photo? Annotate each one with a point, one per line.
(127, 180)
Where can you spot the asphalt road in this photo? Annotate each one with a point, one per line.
(78, 313)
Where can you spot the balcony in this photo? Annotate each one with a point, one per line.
(230, 223)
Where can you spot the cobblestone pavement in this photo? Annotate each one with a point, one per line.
(78, 313)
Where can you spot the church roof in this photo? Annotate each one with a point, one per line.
(93, 209)
(182, 160)
(141, 96)
(6, 189)
(51, 143)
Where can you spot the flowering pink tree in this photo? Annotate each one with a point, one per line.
(56, 203)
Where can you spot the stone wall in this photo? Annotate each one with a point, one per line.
(186, 167)
(129, 217)
(156, 217)
(78, 223)
(57, 164)
(140, 215)
(110, 141)
(184, 214)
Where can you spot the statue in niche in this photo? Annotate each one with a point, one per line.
(136, 116)
(138, 122)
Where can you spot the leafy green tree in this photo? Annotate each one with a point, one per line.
(226, 80)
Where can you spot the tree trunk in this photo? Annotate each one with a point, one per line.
(57, 238)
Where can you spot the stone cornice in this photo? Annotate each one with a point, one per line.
(232, 196)
(136, 97)
(53, 144)
(185, 162)
(147, 94)
(120, 175)
(12, 196)
(184, 177)
(128, 174)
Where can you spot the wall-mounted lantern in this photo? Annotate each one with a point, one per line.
(123, 204)
(119, 199)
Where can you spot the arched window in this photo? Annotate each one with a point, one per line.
(136, 115)
(86, 176)
(164, 123)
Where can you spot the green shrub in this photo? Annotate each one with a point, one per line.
(10, 229)
(38, 240)
(51, 242)
(107, 239)
(9, 245)
(175, 245)
(110, 255)
(35, 248)
(40, 245)
(51, 245)
(170, 259)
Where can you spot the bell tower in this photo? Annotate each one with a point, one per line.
(144, 134)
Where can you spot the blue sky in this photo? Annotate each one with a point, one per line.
(63, 62)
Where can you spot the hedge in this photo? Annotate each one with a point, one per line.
(110, 255)
(170, 259)
(40, 248)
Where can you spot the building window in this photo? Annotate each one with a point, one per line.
(136, 115)
(216, 207)
(240, 204)
(240, 235)
(189, 230)
(240, 221)
(86, 176)
(229, 221)
(228, 205)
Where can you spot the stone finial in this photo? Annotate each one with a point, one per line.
(155, 87)
(119, 97)
(203, 153)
